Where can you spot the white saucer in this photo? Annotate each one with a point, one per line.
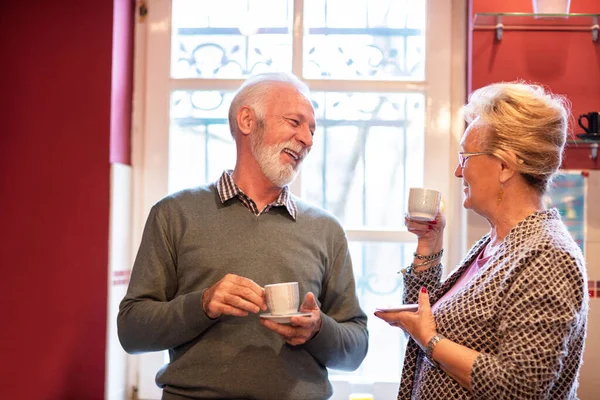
(403, 307)
(284, 318)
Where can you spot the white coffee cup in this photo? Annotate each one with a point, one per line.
(423, 204)
(282, 298)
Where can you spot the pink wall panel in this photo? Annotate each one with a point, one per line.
(122, 79)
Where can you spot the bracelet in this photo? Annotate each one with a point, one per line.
(429, 257)
(410, 269)
(423, 263)
(430, 346)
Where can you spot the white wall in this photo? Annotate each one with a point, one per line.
(119, 260)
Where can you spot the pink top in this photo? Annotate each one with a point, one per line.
(475, 266)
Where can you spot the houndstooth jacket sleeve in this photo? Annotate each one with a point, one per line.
(525, 312)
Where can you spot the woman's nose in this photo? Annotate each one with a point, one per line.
(458, 171)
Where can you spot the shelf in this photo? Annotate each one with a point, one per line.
(586, 144)
(536, 22)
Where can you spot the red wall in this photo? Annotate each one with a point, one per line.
(54, 201)
(567, 62)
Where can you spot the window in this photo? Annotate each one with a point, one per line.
(379, 72)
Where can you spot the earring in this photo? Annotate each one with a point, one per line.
(500, 193)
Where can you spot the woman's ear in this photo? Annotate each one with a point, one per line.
(506, 171)
(246, 119)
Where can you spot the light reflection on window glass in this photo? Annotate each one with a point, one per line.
(367, 151)
(200, 145)
(379, 285)
(364, 39)
(211, 41)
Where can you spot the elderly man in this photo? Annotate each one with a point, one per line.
(197, 283)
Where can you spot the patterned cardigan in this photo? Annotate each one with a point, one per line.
(525, 311)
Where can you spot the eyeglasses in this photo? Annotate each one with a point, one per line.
(464, 156)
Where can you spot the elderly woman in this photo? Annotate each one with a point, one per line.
(509, 322)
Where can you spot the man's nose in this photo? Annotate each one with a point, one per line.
(305, 136)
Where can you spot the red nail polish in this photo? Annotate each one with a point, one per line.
(423, 289)
(430, 227)
(433, 222)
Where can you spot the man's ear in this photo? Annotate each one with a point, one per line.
(246, 120)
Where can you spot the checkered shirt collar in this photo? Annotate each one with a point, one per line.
(228, 189)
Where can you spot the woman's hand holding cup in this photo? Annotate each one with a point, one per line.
(425, 218)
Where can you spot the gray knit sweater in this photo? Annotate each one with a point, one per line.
(191, 240)
(525, 311)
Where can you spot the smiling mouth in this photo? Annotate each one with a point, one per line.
(295, 156)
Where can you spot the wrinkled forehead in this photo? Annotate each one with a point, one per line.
(287, 91)
(286, 97)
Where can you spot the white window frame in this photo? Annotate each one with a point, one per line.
(444, 87)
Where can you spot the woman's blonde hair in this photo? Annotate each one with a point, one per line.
(527, 127)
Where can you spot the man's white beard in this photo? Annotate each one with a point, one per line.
(269, 158)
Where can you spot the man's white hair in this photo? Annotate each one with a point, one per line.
(253, 93)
